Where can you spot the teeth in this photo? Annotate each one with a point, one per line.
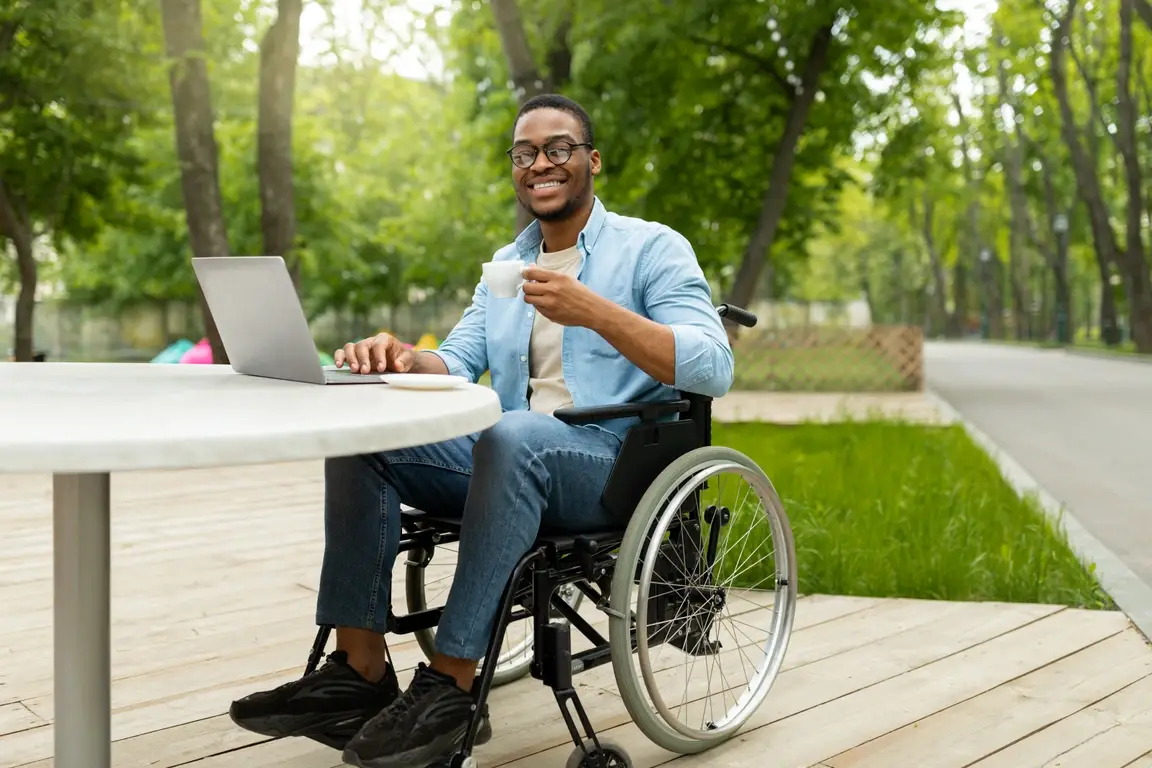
(546, 185)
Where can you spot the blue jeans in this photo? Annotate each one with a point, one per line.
(527, 473)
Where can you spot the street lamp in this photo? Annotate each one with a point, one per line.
(985, 321)
(1063, 332)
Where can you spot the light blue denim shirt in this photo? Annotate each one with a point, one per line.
(643, 266)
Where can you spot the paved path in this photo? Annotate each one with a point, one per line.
(797, 407)
(1080, 425)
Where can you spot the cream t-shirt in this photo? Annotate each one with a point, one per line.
(547, 390)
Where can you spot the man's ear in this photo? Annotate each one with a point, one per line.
(594, 161)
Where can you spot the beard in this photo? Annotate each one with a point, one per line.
(572, 204)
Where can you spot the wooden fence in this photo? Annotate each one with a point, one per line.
(875, 359)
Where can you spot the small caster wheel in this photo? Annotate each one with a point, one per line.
(608, 756)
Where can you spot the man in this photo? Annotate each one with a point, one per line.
(614, 310)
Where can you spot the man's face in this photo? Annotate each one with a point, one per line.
(549, 191)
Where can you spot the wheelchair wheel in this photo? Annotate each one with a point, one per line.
(609, 755)
(427, 587)
(706, 583)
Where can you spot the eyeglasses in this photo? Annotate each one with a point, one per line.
(558, 153)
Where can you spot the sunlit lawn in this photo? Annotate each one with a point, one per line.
(894, 510)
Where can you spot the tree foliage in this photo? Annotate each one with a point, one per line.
(922, 170)
(69, 74)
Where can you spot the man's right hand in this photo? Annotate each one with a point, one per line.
(380, 354)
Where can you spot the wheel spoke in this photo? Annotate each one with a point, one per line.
(704, 591)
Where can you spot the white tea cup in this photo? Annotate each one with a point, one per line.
(504, 278)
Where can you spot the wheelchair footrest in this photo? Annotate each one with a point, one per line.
(414, 622)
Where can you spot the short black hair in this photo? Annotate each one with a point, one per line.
(564, 104)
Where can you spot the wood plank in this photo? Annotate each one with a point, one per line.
(206, 610)
(173, 746)
(883, 707)
(807, 686)
(809, 645)
(282, 753)
(515, 708)
(1109, 733)
(977, 727)
(17, 717)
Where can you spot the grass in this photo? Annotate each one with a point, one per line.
(896, 510)
(1124, 349)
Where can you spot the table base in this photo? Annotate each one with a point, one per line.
(83, 649)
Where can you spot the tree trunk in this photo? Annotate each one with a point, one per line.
(1108, 319)
(1059, 261)
(526, 77)
(15, 226)
(866, 283)
(780, 176)
(1019, 213)
(195, 141)
(991, 274)
(959, 317)
(1144, 8)
(1139, 282)
(938, 306)
(279, 52)
(972, 212)
(1087, 181)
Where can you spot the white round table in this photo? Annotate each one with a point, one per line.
(81, 421)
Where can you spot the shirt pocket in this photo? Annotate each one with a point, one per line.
(599, 347)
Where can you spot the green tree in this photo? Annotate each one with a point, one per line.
(70, 74)
(720, 119)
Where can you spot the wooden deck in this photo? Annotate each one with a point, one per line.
(213, 590)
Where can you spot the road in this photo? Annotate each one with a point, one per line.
(1080, 425)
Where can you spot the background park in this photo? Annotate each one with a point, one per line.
(875, 179)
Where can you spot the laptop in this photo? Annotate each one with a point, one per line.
(261, 322)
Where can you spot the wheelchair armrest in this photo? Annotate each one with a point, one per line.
(647, 412)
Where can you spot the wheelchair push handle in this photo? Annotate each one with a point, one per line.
(737, 315)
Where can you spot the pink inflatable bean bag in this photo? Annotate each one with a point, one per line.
(200, 354)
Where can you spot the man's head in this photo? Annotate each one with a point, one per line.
(558, 182)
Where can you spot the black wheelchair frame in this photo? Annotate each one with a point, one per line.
(585, 561)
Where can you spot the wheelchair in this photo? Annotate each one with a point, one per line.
(672, 588)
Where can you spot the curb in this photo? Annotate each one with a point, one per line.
(1130, 594)
(1117, 356)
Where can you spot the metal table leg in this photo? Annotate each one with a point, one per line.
(82, 674)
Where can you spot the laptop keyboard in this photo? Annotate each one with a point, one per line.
(346, 376)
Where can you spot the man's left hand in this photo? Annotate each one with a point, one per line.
(561, 298)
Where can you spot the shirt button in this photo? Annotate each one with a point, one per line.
(523, 358)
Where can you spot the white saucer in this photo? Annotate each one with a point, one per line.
(423, 380)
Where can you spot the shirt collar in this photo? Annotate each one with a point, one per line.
(529, 241)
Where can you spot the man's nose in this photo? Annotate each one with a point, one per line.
(542, 164)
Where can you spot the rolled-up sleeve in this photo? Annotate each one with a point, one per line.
(677, 294)
(465, 349)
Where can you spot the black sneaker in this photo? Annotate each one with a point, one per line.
(426, 724)
(329, 706)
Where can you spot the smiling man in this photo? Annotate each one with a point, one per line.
(613, 310)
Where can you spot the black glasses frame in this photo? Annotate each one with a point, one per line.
(563, 146)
